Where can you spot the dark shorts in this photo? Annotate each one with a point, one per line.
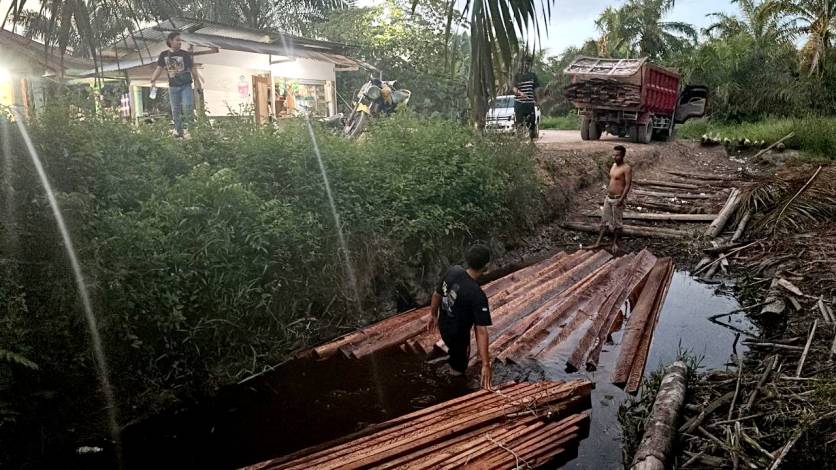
(523, 111)
(458, 346)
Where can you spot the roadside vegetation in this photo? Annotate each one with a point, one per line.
(814, 136)
(210, 259)
(569, 122)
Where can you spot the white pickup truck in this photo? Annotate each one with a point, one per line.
(500, 116)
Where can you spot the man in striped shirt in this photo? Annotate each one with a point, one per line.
(524, 85)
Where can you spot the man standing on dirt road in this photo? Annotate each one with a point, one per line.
(459, 305)
(621, 180)
(525, 83)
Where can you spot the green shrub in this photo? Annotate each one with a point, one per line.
(569, 122)
(814, 136)
(205, 256)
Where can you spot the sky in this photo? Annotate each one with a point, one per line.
(573, 21)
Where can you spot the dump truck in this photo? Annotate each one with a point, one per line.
(631, 98)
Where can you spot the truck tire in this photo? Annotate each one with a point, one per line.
(642, 133)
(594, 130)
(585, 128)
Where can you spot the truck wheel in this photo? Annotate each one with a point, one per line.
(643, 133)
(594, 130)
(585, 128)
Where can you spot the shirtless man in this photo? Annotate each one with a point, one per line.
(621, 179)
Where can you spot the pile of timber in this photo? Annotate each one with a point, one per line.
(601, 91)
(562, 308)
(638, 333)
(521, 425)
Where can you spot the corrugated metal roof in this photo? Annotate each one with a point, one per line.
(34, 52)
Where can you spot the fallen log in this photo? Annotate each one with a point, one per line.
(722, 219)
(630, 230)
(662, 217)
(657, 443)
(666, 184)
(774, 144)
(687, 208)
(704, 177)
(741, 226)
(642, 192)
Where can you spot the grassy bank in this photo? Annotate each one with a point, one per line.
(211, 258)
(815, 137)
(570, 122)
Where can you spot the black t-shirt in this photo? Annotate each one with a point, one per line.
(463, 303)
(178, 65)
(526, 82)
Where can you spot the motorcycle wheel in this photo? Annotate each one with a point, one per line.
(356, 126)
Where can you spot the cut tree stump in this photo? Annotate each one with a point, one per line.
(660, 431)
(631, 230)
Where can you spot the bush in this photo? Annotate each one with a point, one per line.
(814, 136)
(211, 258)
(569, 122)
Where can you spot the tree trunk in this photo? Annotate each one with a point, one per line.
(660, 430)
(722, 219)
(630, 230)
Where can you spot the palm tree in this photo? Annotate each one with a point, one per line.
(498, 29)
(760, 20)
(817, 20)
(637, 29)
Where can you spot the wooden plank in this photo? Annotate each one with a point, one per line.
(634, 331)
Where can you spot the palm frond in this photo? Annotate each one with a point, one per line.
(780, 206)
(10, 357)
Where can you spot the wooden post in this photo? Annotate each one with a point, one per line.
(660, 430)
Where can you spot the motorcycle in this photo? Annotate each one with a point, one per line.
(374, 98)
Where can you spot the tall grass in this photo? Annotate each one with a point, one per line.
(569, 122)
(815, 136)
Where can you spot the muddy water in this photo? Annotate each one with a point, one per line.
(305, 403)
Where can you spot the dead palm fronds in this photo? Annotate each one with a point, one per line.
(791, 203)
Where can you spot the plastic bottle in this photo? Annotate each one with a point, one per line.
(153, 94)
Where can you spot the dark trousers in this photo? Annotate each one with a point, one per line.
(458, 346)
(524, 113)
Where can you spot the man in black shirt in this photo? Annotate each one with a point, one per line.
(459, 304)
(178, 65)
(525, 83)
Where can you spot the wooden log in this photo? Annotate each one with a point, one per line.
(764, 377)
(774, 144)
(637, 323)
(666, 184)
(660, 431)
(722, 219)
(741, 226)
(687, 207)
(662, 217)
(642, 192)
(630, 230)
(704, 177)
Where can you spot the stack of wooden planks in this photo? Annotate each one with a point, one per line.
(514, 426)
(560, 309)
(602, 91)
(638, 333)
